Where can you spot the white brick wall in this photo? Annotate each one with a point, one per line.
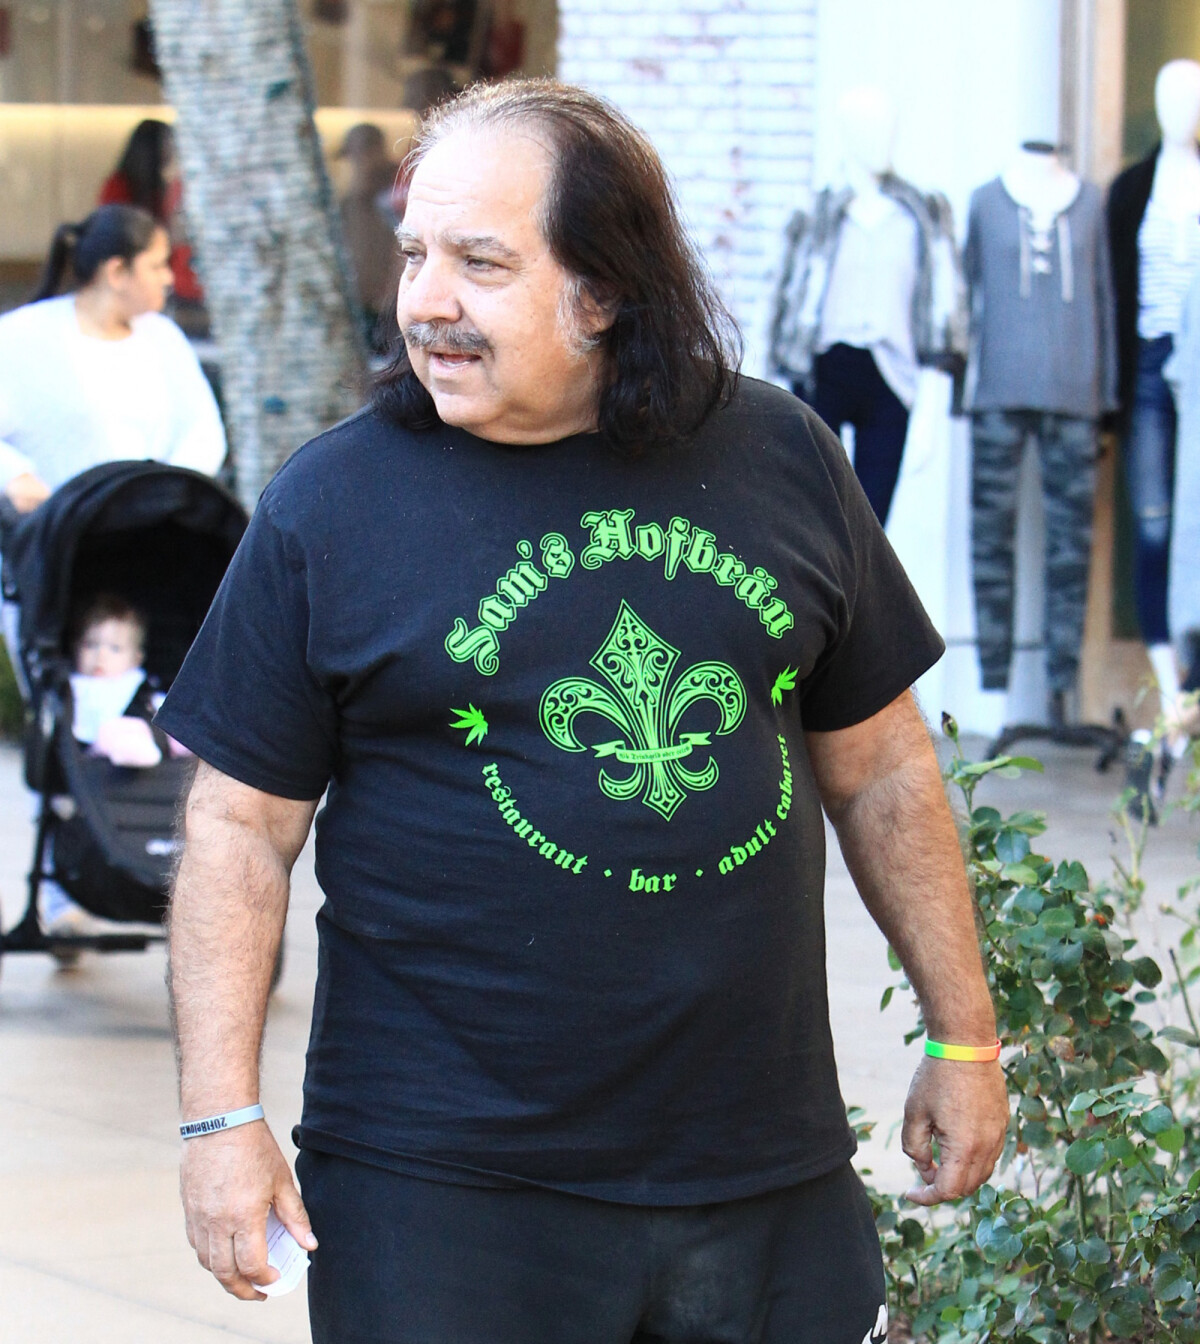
(724, 88)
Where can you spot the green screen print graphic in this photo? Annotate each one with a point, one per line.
(646, 709)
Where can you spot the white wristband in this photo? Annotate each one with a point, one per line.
(194, 1129)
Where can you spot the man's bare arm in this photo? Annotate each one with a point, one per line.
(882, 789)
(227, 914)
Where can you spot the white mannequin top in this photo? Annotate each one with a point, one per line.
(1038, 180)
(1176, 189)
(869, 297)
(867, 301)
(1169, 236)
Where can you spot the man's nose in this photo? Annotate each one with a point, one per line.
(429, 295)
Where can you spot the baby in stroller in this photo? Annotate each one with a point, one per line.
(113, 701)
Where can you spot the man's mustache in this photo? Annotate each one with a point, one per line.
(445, 336)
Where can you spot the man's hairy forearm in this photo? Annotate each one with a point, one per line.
(900, 844)
(227, 914)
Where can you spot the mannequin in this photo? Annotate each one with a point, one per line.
(1042, 367)
(1154, 222)
(864, 297)
(1037, 179)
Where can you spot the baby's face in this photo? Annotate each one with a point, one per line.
(109, 648)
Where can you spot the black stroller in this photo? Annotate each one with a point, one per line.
(162, 537)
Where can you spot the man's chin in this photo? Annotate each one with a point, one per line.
(457, 409)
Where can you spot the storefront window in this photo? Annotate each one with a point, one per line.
(76, 76)
(1154, 34)
(364, 53)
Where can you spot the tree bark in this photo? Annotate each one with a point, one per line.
(265, 225)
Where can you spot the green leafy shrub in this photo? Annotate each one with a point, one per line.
(1091, 1230)
(11, 709)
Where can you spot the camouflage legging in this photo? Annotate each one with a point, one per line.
(1067, 453)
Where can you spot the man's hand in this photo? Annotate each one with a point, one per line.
(228, 1181)
(27, 491)
(964, 1106)
(227, 914)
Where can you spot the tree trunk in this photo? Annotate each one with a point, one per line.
(262, 216)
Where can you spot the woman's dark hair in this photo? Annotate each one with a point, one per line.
(110, 231)
(146, 154)
(611, 222)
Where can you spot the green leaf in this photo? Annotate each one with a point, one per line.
(1085, 1315)
(1181, 1037)
(893, 959)
(1171, 1140)
(1085, 1156)
(1170, 1284)
(1070, 877)
(471, 719)
(1025, 763)
(1146, 972)
(1157, 1120)
(1120, 1148)
(1019, 872)
(1123, 1318)
(1095, 1251)
(1058, 921)
(1081, 1104)
(1012, 846)
(887, 997)
(785, 681)
(1065, 956)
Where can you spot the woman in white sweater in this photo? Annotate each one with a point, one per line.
(100, 375)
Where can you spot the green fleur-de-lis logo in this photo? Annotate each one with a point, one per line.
(647, 710)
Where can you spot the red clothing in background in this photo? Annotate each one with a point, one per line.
(116, 191)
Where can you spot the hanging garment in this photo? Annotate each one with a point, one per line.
(811, 242)
(1149, 459)
(1128, 197)
(1042, 332)
(1182, 371)
(1066, 448)
(851, 390)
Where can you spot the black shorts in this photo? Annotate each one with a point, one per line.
(409, 1261)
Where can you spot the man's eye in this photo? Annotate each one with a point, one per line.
(481, 264)
(411, 258)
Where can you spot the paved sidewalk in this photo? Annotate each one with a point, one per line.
(91, 1237)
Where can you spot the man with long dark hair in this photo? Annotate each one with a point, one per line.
(580, 632)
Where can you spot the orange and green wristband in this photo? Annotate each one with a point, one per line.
(970, 1054)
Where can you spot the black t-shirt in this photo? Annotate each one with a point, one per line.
(572, 852)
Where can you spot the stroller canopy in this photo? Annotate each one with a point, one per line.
(159, 536)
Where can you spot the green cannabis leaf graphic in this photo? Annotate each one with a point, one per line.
(785, 681)
(472, 719)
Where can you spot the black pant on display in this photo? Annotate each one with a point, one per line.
(404, 1260)
(850, 390)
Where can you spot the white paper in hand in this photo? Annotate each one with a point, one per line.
(286, 1254)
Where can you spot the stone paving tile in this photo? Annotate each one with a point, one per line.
(91, 1235)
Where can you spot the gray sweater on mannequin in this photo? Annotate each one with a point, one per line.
(1042, 327)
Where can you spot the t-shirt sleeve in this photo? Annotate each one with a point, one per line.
(884, 640)
(246, 700)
